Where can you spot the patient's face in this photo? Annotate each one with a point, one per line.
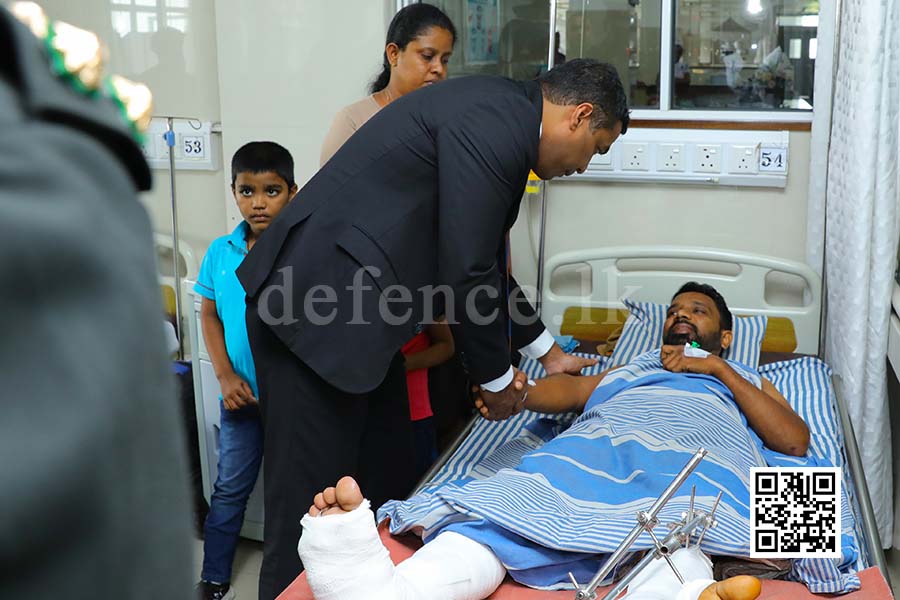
(693, 317)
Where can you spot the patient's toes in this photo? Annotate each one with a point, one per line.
(742, 587)
(347, 494)
(343, 497)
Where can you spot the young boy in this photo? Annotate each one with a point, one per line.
(262, 181)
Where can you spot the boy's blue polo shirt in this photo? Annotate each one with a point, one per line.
(218, 282)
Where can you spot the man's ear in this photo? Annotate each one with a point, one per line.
(293, 191)
(727, 339)
(581, 114)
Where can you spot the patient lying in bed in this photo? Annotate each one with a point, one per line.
(571, 501)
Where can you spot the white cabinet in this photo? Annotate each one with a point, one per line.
(206, 398)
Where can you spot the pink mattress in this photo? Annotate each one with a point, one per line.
(874, 587)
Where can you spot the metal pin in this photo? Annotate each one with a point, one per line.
(709, 519)
(664, 552)
(687, 543)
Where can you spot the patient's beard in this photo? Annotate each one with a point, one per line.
(711, 343)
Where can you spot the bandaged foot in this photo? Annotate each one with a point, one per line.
(345, 559)
(658, 582)
(340, 548)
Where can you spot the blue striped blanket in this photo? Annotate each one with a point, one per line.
(558, 499)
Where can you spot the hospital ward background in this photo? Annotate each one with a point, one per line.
(761, 158)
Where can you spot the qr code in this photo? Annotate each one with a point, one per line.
(795, 512)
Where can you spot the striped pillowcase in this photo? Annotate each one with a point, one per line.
(644, 326)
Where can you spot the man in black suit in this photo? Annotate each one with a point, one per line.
(406, 222)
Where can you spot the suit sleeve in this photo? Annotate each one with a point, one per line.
(482, 157)
(526, 326)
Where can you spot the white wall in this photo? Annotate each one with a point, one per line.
(181, 71)
(279, 70)
(590, 214)
(287, 67)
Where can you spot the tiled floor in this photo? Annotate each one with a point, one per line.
(245, 572)
(249, 557)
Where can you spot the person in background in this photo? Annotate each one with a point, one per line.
(94, 481)
(262, 181)
(420, 40)
(419, 43)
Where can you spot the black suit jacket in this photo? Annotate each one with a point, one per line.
(93, 486)
(423, 193)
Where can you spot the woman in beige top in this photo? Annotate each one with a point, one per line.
(419, 43)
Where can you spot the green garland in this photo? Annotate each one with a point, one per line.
(106, 89)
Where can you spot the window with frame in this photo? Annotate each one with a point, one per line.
(731, 60)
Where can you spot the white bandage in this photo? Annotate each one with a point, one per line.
(692, 352)
(450, 567)
(344, 557)
(658, 582)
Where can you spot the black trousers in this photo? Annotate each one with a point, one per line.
(314, 434)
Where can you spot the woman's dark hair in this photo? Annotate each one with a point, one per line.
(409, 23)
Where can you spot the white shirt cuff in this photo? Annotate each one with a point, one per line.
(499, 384)
(538, 347)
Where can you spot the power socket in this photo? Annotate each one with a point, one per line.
(708, 158)
(635, 156)
(743, 159)
(670, 157)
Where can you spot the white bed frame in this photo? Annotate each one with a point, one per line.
(654, 273)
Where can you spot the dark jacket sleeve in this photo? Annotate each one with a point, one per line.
(483, 158)
(93, 487)
(526, 326)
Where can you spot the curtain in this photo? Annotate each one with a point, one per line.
(853, 218)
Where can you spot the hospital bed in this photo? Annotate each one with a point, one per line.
(583, 297)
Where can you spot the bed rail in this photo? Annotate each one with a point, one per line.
(753, 284)
(874, 551)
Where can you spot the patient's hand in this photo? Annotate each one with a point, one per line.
(505, 403)
(673, 359)
(557, 361)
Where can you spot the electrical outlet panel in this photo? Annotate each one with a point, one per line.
(635, 156)
(196, 146)
(708, 158)
(743, 159)
(670, 157)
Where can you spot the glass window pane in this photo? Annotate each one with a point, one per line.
(121, 22)
(497, 37)
(146, 22)
(625, 33)
(512, 38)
(744, 54)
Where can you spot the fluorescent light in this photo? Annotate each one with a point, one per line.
(754, 7)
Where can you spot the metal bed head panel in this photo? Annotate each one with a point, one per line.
(752, 284)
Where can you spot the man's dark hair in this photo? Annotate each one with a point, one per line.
(409, 23)
(587, 80)
(259, 157)
(725, 319)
